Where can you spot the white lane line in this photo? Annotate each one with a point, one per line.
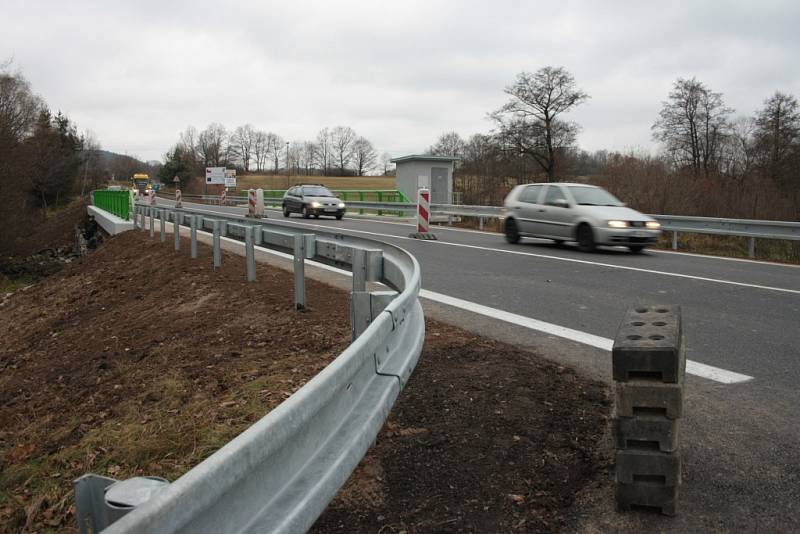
(557, 258)
(694, 368)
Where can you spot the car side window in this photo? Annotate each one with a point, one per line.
(530, 194)
(555, 196)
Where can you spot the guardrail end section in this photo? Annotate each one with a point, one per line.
(90, 510)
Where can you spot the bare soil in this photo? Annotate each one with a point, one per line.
(138, 360)
(486, 438)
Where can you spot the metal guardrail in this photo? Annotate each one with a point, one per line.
(749, 228)
(115, 202)
(279, 474)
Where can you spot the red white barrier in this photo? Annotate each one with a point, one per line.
(178, 203)
(251, 202)
(222, 197)
(152, 197)
(423, 215)
(423, 211)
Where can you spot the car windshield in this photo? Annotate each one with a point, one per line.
(317, 192)
(593, 196)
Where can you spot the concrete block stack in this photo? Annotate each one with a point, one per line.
(648, 363)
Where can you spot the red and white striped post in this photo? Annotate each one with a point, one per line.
(251, 202)
(152, 198)
(178, 203)
(423, 215)
(222, 198)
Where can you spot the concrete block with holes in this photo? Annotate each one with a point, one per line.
(654, 433)
(648, 345)
(650, 496)
(649, 399)
(648, 366)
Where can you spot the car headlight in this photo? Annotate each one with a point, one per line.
(341, 204)
(316, 205)
(617, 224)
(653, 225)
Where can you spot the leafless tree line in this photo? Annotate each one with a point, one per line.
(339, 150)
(712, 162)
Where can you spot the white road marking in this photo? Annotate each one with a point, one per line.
(692, 367)
(557, 258)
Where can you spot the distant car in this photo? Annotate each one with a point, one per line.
(585, 214)
(311, 200)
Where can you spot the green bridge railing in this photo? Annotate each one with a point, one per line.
(274, 196)
(116, 202)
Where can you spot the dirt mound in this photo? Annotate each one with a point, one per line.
(137, 360)
(485, 438)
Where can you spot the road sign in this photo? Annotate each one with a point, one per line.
(215, 175)
(230, 177)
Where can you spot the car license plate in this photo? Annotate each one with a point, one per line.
(330, 209)
(639, 234)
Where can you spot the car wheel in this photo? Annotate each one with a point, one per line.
(585, 238)
(339, 216)
(286, 211)
(512, 232)
(636, 249)
(305, 212)
(316, 215)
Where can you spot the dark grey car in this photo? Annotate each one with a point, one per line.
(309, 200)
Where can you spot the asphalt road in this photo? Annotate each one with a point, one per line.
(740, 440)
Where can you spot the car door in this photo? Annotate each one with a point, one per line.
(556, 213)
(526, 208)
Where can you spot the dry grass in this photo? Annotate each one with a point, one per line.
(333, 182)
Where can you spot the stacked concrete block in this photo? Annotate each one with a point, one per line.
(648, 363)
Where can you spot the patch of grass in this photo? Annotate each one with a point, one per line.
(733, 246)
(333, 182)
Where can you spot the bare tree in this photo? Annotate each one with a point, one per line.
(275, 149)
(242, 142)
(364, 156)
(212, 145)
(342, 139)
(528, 123)
(323, 151)
(386, 163)
(260, 149)
(778, 135)
(308, 156)
(448, 144)
(693, 124)
(19, 107)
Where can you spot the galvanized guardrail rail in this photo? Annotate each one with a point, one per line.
(279, 475)
(752, 229)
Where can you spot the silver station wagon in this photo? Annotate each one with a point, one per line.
(586, 214)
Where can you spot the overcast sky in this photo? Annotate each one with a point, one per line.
(398, 72)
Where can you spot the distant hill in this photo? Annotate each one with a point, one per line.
(122, 166)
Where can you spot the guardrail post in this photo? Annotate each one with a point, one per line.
(143, 212)
(217, 251)
(299, 271)
(176, 229)
(193, 233)
(648, 363)
(152, 222)
(250, 253)
(674, 240)
(751, 247)
(480, 223)
(162, 220)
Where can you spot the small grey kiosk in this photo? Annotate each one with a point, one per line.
(433, 172)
